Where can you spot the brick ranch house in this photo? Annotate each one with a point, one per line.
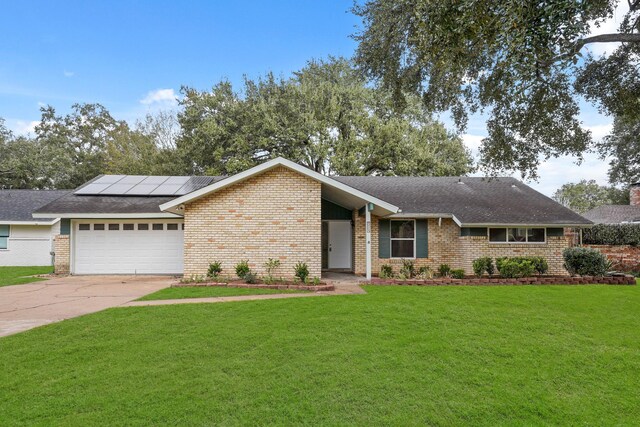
(119, 224)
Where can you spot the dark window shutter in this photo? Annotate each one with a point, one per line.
(422, 239)
(384, 244)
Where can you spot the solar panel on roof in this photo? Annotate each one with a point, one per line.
(166, 190)
(131, 179)
(108, 179)
(142, 189)
(154, 180)
(92, 188)
(177, 180)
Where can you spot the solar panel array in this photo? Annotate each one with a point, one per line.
(140, 185)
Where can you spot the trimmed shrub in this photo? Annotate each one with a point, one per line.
(425, 272)
(483, 265)
(585, 262)
(251, 278)
(540, 264)
(242, 269)
(301, 270)
(215, 268)
(511, 268)
(444, 270)
(457, 273)
(408, 269)
(386, 271)
(612, 234)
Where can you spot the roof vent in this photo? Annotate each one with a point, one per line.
(513, 186)
(460, 181)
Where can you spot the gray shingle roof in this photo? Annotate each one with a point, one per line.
(18, 205)
(87, 204)
(613, 214)
(471, 200)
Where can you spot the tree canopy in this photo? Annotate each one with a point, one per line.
(587, 194)
(520, 62)
(325, 117)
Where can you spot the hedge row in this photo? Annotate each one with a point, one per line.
(612, 234)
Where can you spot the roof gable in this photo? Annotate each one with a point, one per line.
(381, 207)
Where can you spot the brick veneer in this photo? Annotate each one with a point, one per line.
(446, 246)
(62, 248)
(275, 214)
(622, 257)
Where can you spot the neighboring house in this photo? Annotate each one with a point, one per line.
(618, 214)
(281, 210)
(25, 241)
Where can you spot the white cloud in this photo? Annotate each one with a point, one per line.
(609, 26)
(24, 127)
(600, 131)
(69, 73)
(472, 142)
(166, 97)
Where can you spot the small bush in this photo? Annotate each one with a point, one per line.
(444, 270)
(408, 268)
(483, 265)
(271, 265)
(251, 278)
(425, 272)
(585, 262)
(315, 281)
(511, 268)
(242, 269)
(386, 271)
(301, 270)
(457, 273)
(215, 268)
(539, 264)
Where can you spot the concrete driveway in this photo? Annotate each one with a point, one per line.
(23, 307)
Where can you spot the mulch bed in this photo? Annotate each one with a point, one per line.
(281, 285)
(542, 280)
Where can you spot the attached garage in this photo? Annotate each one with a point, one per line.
(128, 247)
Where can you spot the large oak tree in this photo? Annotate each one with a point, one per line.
(519, 61)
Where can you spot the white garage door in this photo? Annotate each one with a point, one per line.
(141, 247)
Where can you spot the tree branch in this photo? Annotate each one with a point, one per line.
(608, 38)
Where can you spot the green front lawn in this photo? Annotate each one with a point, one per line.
(521, 355)
(17, 275)
(210, 291)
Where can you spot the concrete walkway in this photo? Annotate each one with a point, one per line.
(349, 287)
(23, 307)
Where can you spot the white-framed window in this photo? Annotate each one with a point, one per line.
(4, 236)
(403, 238)
(518, 235)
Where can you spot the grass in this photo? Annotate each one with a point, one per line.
(521, 355)
(211, 291)
(16, 275)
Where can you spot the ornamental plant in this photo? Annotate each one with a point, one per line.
(242, 269)
(215, 268)
(386, 271)
(301, 270)
(585, 262)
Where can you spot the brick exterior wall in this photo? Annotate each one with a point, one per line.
(62, 249)
(276, 214)
(446, 246)
(634, 194)
(622, 257)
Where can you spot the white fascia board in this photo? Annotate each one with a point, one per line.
(110, 215)
(279, 161)
(497, 225)
(52, 222)
(423, 215)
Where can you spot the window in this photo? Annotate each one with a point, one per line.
(172, 226)
(4, 236)
(403, 238)
(114, 227)
(84, 227)
(127, 227)
(158, 227)
(143, 226)
(517, 235)
(98, 226)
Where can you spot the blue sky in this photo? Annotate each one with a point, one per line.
(133, 56)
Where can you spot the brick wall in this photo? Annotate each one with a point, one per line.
(623, 257)
(276, 214)
(446, 246)
(62, 248)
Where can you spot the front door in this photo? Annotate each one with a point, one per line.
(340, 244)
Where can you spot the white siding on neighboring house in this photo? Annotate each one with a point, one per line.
(29, 245)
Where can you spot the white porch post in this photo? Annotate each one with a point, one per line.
(367, 210)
